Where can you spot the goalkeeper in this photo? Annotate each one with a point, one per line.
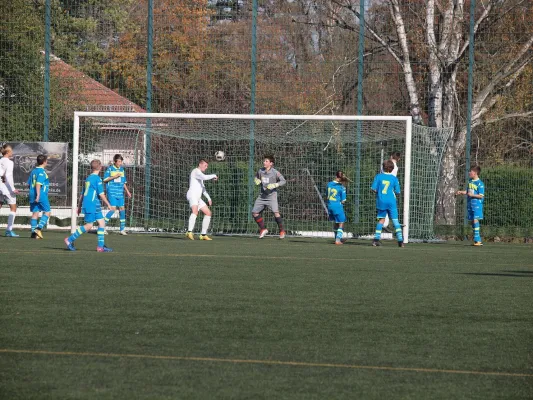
(270, 179)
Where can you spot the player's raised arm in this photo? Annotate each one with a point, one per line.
(200, 175)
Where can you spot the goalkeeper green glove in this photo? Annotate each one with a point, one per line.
(257, 181)
(271, 186)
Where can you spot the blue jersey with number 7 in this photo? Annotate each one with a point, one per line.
(386, 187)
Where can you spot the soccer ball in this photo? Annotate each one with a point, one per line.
(220, 155)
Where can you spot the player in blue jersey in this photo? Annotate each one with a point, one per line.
(115, 179)
(39, 186)
(386, 187)
(336, 196)
(475, 198)
(93, 192)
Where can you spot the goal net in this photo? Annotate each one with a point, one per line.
(160, 150)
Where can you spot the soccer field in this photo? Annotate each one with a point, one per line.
(163, 318)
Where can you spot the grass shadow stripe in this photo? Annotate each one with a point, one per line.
(267, 362)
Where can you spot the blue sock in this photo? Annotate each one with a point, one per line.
(43, 221)
(338, 236)
(122, 214)
(77, 233)
(398, 230)
(101, 240)
(108, 216)
(477, 236)
(33, 224)
(379, 227)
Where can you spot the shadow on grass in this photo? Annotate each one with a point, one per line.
(512, 274)
(176, 237)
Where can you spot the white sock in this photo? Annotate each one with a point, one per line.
(386, 223)
(10, 220)
(205, 224)
(192, 221)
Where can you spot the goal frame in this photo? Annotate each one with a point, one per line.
(407, 157)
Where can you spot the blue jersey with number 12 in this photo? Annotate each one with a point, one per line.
(386, 187)
(336, 194)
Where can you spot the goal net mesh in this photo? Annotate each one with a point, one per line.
(160, 153)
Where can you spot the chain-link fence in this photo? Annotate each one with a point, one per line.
(290, 57)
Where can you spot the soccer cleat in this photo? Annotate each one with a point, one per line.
(400, 244)
(70, 246)
(376, 243)
(11, 234)
(205, 237)
(106, 233)
(282, 235)
(478, 244)
(189, 235)
(104, 250)
(339, 242)
(34, 236)
(263, 233)
(123, 233)
(38, 233)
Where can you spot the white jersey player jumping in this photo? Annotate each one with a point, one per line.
(395, 158)
(8, 192)
(194, 196)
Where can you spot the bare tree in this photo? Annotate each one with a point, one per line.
(443, 39)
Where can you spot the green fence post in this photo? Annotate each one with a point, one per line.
(360, 66)
(147, 139)
(47, 51)
(469, 101)
(252, 110)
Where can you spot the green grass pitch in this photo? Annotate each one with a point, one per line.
(164, 318)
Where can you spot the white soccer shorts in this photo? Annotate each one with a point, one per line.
(6, 196)
(196, 201)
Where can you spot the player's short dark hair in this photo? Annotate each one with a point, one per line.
(388, 166)
(476, 169)
(96, 164)
(202, 160)
(117, 157)
(395, 155)
(41, 159)
(269, 157)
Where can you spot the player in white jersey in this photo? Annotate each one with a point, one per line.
(8, 192)
(194, 195)
(395, 158)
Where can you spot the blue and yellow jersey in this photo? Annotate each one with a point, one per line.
(476, 187)
(386, 186)
(91, 193)
(336, 194)
(115, 187)
(38, 176)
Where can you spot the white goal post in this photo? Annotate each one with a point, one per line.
(346, 133)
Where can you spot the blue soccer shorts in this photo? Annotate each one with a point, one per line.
(337, 215)
(116, 201)
(475, 212)
(42, 206)
(91, 217)
(392, 213)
